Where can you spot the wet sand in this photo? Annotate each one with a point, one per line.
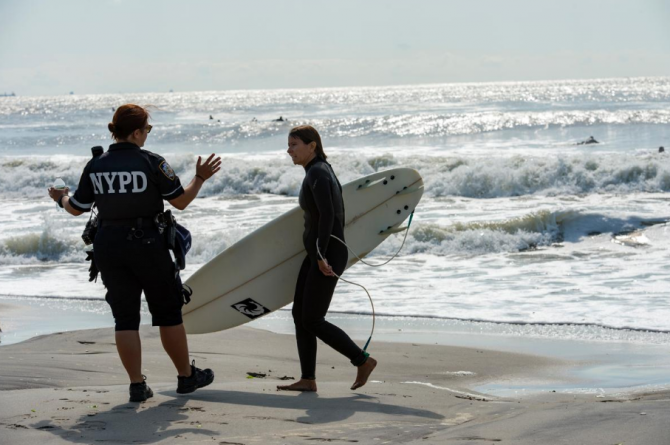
(71, 388)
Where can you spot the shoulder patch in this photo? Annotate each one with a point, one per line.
(167, 170)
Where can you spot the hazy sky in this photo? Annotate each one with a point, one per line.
(108, 46)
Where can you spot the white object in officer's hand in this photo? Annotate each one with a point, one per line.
(59, 184)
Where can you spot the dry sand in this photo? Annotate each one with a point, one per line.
(71, 388)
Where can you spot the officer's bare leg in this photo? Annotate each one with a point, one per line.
(175, 344)
(130, 351)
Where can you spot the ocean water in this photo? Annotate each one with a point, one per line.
(519, 225)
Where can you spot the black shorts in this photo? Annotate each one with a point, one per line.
(129, 267)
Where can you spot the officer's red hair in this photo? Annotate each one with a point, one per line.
(128, 118)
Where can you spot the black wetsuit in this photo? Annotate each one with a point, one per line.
(321, 199)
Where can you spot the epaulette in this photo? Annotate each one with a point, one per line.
(152, 154)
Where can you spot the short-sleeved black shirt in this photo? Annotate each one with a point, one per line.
(126, 182)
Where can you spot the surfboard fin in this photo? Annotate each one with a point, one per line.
(394, 230)
(409, 190)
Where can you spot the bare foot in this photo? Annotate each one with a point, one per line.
(300, 385)
(364, 372)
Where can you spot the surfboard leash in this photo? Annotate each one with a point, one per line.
(372, 304)
(409, 223)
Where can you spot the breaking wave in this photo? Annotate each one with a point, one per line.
(28, 177)
(534, 230)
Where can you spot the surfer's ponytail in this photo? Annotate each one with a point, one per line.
(308, 134)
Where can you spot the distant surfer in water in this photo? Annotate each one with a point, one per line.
(590, 140)
(661, 150)
(321, 200)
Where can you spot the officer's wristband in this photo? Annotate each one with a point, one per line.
(60, 201)
(198, 176)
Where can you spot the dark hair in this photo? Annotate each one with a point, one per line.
(128, 118)
(308, 134)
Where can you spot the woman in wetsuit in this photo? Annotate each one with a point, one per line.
(321, 200)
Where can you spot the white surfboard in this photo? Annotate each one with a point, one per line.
(258, 274)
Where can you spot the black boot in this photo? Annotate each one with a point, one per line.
(139, 392)
(199, 378)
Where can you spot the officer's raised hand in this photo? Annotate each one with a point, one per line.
(207, 170)
(203, 171)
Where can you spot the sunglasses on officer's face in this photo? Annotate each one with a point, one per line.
(148, 128)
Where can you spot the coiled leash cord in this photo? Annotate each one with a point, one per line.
(372, 304)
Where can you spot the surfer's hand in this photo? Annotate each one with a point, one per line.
(325, 268)
(210, 166)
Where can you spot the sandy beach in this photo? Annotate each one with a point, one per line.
(70, 388)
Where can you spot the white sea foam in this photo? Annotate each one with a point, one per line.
(455, 391)
(459, 373)
(51, 241)
(488, 177)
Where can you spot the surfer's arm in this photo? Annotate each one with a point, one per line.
(321, 190)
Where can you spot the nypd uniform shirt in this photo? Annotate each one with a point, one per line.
(126, 182)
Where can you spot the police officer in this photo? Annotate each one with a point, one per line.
(128, 185)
